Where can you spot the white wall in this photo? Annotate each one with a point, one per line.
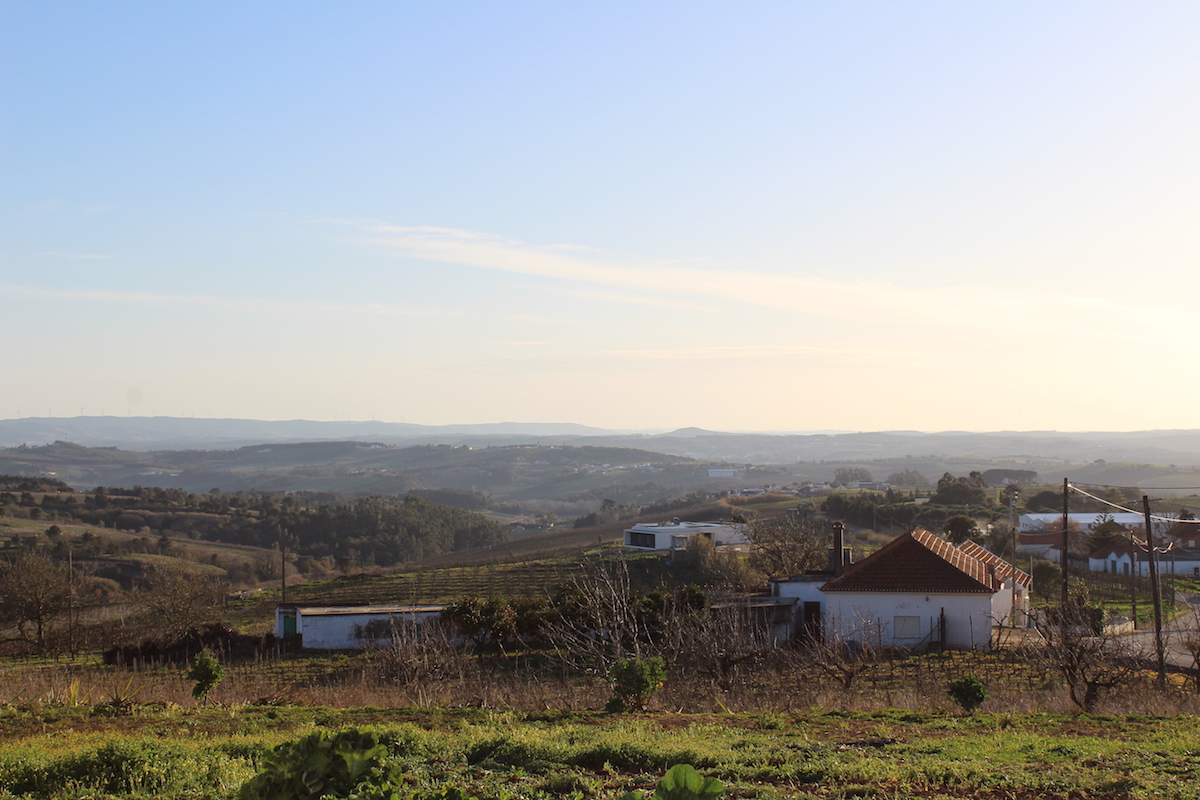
(804, 591)
(857, 615)
(339, 631)
(1002, 603)
(1183, 567)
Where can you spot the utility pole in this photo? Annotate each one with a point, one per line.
(1012, 524)
(1156, 590)
(71, 600)
(1066, 542)
(1133, 576)
(282, 574)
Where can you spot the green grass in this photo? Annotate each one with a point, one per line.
(177, 753)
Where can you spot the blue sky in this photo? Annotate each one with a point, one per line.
(750, 216)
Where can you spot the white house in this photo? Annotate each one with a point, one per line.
(1121, 559)
(346, 627)
(916, 591)
(675, 534)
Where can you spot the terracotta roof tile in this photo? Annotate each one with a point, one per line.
(1003, 569)
(1119, 548)
(920, 562)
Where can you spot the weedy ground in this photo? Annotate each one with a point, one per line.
(172, 752)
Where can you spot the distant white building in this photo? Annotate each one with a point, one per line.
(1033, 523)
(1120, 558)
(346, 627)
(721, 472)
(675, 534)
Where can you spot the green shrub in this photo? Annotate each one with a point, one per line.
(206, 672)
(340, 764)
(969, 692)
(682, 782)
(634, 681)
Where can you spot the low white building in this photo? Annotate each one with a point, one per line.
(1121, 559)
(917, 591)
(675, 534)
(347, 627)
(1086, 522)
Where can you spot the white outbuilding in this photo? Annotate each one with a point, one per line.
(347, 627)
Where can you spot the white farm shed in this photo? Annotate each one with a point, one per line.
(347, 627)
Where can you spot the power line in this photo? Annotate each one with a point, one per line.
(1153, 488)
(1129, 510)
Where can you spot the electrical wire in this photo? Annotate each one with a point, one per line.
(1075, 488)
(1154, 488)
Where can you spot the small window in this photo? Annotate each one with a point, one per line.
(906, 627)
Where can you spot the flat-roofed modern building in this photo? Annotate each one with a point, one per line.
(675, 534)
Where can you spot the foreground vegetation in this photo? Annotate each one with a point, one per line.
(174, 752)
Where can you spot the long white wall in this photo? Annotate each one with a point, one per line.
(324, 631)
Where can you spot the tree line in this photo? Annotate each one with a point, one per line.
(365, 531)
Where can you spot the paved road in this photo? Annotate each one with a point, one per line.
(1176, 634)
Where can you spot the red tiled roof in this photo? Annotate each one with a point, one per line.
(1119, 548)
(918, 562)
(1003, 569)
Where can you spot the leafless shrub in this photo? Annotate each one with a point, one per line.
(847, 651)
(1191, 645)
(420, 652)
(788, 545)
(1088, 660)
(177, 600)
(594, 621)
(718, 645)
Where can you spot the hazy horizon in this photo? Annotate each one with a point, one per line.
(532, 423)
(766, 217)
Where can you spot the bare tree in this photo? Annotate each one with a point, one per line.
(177, 600)
(417, 652)
(1088, 659)
(1191, 644)
(788, 545)
(846, 652)
(34, 593)
(717, 643)
(594, 622)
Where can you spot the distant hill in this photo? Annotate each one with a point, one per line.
(1180, 447)
(179, 433)
(584, 474)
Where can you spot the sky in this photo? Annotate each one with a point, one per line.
(638, 215)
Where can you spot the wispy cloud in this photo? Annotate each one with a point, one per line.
(744, 353)
(984, 302)
(257, 305)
